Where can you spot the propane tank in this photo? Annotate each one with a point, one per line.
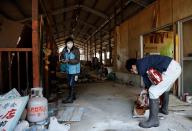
(37, 110)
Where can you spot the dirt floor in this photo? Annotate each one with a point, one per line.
(108, 107)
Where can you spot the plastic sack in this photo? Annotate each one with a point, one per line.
(154, 76)
(55, 126)
(22, 126)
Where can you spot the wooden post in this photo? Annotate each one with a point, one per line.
(105, 56)
(35, 43)
(115, 17)
(110, 48)
(121, 6)
(90, 50)
(87, 50)
(101, 49)
(84, 53)
(95, 46)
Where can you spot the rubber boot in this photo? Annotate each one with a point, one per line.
(74, 95)
(153, 120)
(70, 96)
(165, 103)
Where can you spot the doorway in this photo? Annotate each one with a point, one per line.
(185, 42)
(160, 42)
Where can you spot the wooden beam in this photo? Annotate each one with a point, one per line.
(93, 11)
(108, 20)
(35, 43)
(19, 7)
(88, 14)
(74, 7)
(64, 37)
(4, 14)
(61, 34)
(84, 7)
(140, 2)
(15, 49)
(77, 42)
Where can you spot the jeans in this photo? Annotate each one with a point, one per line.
(71, 80)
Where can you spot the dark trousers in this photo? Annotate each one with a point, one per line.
(71, 80)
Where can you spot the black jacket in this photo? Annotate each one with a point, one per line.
(76, 52)
(158, 62)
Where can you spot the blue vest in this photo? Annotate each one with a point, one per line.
(71, 68)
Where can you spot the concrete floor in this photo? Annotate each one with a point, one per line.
(108, 107)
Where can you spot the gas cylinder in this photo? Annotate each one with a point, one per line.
(37, 110)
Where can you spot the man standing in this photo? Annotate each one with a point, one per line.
(170, 71)
(71, 57)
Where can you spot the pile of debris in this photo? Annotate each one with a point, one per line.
(21, 113)
(91, 72)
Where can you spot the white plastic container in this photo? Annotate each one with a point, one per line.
(37, 110)
(189, 99)
(109, 69)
